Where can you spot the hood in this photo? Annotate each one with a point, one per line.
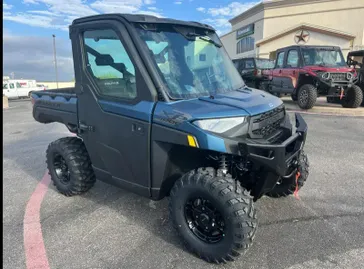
(342, 69)
(247, 102)
(251, 100)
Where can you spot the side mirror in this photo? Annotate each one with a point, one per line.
(104, 60)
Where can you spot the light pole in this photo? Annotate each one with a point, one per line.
(55, 58)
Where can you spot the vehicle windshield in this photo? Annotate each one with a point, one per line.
(323, 57)
(191, 61)
(264, 63)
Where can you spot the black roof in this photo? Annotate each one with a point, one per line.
(141, 18)
(356, 53)
(306, 46)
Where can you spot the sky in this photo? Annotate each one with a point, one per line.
(28, 26)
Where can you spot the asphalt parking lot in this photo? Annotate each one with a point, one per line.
(111, 228)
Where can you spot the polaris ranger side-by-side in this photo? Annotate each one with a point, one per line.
(306, 72)
(356, 60)
(159, 109)
(251, 68)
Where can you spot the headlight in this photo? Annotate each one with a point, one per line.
(219, 125)
(325, 75)
(349, 76)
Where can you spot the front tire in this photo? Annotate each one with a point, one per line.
(288, 186)
(69, 166)
(353, 97)
(307, 96)
(223, 221)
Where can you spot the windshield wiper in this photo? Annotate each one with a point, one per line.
(204, 38)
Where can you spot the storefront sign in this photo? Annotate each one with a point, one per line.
(244, 31)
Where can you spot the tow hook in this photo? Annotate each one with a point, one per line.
(341, 93)
(298, 174)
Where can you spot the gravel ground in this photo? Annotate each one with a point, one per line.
(111, 228)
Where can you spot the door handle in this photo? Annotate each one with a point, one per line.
(85, 127)
(137, 128)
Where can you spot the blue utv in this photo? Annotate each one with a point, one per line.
(159, 109)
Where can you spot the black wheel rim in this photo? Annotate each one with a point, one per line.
(204, 220)
(61, 169)
(303, 97)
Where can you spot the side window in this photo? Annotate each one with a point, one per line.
(292, 58)
(109, 64)
(249, 64)
(280, 59)
(11, 85)
(5, 86)
(18, 85)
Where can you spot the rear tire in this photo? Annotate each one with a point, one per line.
(288, 186)
(306, 96)
(232, 205)
(353, 97)
(69, 166)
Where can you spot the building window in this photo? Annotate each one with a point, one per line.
(245, 44)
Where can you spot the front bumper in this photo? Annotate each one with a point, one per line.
(278, 158)
(338, 84)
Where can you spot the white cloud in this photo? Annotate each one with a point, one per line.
(152, 13)
(231, 10)
(44, 12)
(35, 20)
(7, 6)
(32, 57)
(218, 22)
(30, 2)
(219, 17)
(59, 14)
(178, 2)
(115, 6)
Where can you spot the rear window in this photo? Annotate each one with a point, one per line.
(249, 64)
(264, 63)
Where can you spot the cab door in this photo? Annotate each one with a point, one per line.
(277, 82)
(9, 89)
(115, 103)
(22, 91)
(290, 72)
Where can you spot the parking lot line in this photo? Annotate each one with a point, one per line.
(35, 253)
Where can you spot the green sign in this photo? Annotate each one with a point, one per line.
(244, 31)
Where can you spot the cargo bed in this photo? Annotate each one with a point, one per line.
(56, 106)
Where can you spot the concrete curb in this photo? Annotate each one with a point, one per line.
(5, 102)
(323, 108)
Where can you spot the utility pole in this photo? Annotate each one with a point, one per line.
(55, 58)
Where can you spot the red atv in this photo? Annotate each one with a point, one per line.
(306, 72)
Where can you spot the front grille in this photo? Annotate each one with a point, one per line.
(338, 76)
(265, 124)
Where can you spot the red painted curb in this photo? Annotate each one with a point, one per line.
(35, 253)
